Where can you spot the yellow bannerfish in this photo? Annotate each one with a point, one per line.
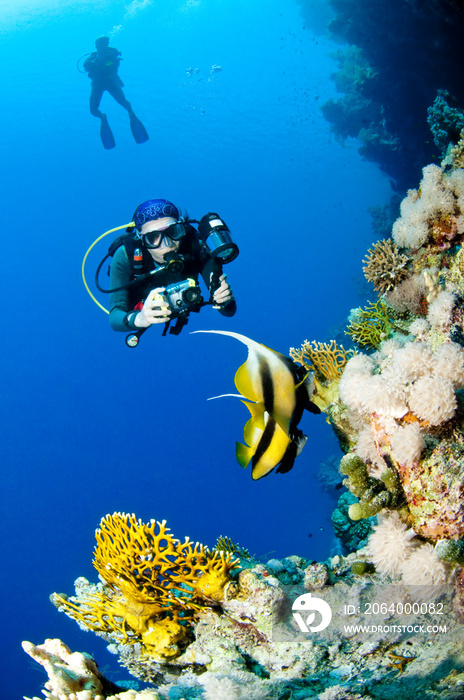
(267, 446)
(280, 392)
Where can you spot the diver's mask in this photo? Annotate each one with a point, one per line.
(217, 238)
(163, 236)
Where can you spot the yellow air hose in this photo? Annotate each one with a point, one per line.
(112, 230)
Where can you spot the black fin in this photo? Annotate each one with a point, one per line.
(312, 408)
(288, 459)
(138, 130)
(106, 134)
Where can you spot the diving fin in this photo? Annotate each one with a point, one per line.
(138, 130)
(106, 134)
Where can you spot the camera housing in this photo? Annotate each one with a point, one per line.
(183, 296)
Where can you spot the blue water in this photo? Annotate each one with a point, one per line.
(90, 426)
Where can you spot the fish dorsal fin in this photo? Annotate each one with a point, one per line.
(247, 375)
(243, 454)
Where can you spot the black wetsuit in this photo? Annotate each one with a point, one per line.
(195, 264)
(102, 67)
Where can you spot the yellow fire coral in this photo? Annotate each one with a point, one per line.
(154, 585)
(327, 361)
(371, 325)
(150, 560)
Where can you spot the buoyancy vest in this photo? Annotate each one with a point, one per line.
(190, 249)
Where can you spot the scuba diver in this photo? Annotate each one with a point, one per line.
(155, 269)
(102, 67)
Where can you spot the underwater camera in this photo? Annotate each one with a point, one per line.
(182, 296)
(217, 238)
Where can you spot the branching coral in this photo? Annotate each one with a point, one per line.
(399, 662)
(371, 325)
(385, 266)
(154, 584)
(153, 562)
(326, 360)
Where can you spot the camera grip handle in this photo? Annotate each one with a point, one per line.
(159, 297)
(215, 282)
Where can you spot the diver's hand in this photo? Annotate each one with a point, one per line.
(153, 310)
(223, 294)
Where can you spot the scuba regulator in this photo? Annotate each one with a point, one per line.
(214, 242)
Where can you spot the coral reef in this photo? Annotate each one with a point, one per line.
(154, 586)
(399, 410)
(458, 600)
(401, 398)
(255, 647)
(390, 544)
(423, 575)
(394, 58)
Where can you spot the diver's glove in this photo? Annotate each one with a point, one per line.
(223, 294)
(155, 309)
